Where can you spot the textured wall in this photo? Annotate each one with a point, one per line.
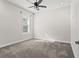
(75, 27)
(10, 21)
(53, 24)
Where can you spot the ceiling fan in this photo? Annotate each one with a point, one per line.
(36, 4)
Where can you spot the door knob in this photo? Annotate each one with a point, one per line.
(77, 42)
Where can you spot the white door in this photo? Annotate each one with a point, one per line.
(75, 27)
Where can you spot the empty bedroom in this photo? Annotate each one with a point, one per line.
(39, 29)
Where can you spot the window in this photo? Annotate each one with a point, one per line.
(25, 24)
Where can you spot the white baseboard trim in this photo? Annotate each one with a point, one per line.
(63, 41)
(52, 40)
(73, 51)
(14, 42)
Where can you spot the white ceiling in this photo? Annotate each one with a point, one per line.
(51, 4)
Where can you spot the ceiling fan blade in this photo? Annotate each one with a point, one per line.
(39, 1)
(42, 6)
(29, 1)
(31, 7)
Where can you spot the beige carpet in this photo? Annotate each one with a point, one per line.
(35, 48)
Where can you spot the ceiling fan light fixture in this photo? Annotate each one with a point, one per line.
(37, 5)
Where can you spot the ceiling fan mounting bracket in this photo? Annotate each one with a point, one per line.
(36, 4)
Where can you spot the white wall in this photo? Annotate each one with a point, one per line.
(75, 27)
(10, 21)
(53, 24)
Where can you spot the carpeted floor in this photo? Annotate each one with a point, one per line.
(37, 49)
